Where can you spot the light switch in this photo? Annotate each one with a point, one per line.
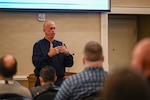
(41, 16)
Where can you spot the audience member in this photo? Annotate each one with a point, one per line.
(47, 79)
(90, 80)
(125, 85)
(141, 58)
(49, 51)
(8, 68)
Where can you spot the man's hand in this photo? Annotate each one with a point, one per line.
(53, 51)
(63, 49)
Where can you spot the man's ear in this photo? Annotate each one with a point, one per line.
(83, 60)
(41, 81)
(102, 58)
(55, 78)
(44, 30)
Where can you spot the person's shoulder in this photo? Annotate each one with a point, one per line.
(42, 89)
(41, 40)
(21, 90)
(15, 89)
(52, 88)
(16, 82)
(106, 73)
(73, 79)
(35, 90)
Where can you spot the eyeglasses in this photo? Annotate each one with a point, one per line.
(52, 28)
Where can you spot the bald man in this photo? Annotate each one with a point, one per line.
(8, 68)
(51, 52)
(141, 57)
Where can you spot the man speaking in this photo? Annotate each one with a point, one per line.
(49, 51)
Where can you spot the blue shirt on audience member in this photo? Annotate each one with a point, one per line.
(90, 80)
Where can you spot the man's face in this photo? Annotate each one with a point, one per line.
(49, 30)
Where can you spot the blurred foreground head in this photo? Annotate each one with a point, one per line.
(141, 56)
(125, 84)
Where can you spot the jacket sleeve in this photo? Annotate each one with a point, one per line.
(69, 60)
(38, 59)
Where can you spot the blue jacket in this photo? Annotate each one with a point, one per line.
(40, 58)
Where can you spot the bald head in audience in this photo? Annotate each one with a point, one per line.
(8, 66)
(141, 57)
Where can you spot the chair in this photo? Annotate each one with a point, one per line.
(67, 74)
(31, 80)
(47, 95)
(12, 96)
(91, 96)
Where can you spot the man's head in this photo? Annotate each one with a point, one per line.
(125, 84)
(141, 56)
(49, 29)
(93, 52)
(47, 75)
(8, 66)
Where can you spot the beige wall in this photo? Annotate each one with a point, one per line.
(131, 3)
(20, 30)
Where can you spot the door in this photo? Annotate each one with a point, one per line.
(121, 40)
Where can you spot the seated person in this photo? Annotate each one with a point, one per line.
(47, 79)
(8, 68)
(90, 80)
(125, 84)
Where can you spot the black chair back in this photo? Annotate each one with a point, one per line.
(47, 95)
(12, 96)
(90, 96)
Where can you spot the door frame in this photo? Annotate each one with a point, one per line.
(104, 26)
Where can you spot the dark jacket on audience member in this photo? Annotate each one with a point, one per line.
(45, 88)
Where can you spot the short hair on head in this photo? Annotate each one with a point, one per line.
(5, 70)
(48, 73)
(47, 22)
(93, 51)
(125, 84)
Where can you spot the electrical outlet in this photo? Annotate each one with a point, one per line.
(41, 16)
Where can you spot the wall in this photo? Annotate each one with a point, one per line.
(20, 30)
(131, 3)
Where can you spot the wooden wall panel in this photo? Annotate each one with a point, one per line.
(131, 3)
